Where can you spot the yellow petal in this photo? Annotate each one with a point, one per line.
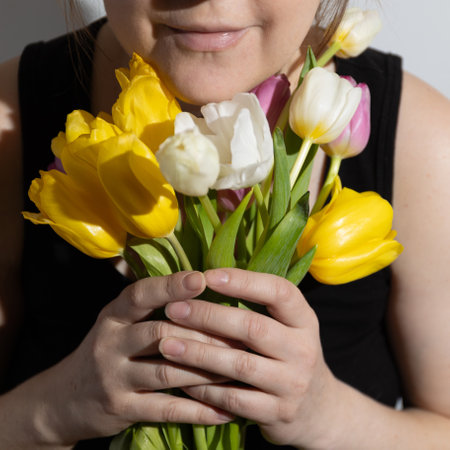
(365, 260)
(130, 175)
(81, 218)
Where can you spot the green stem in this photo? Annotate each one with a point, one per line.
(302, 154)
(175, 243)
(200, 437)
(328, 183)
(261, 204)
(329, 53)
(284, 116)
(211, 212)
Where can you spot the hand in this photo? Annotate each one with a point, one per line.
(111, 380)
(288, 387)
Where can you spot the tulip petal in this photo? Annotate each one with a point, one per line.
(365, 260)
(131, 176)
(68, 210)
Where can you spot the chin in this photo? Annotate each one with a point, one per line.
(200, 90)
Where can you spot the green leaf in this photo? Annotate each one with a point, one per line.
(297, 272)
(275, 256)
(157, 255)
(310, 63)
(192, 214)
(122, 441)
(221, 252)
(281, 187)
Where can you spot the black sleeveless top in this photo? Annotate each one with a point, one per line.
(64, 290)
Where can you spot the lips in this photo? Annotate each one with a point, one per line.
(207, 40)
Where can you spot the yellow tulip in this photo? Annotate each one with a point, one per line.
(80, 216)
(74, 203)
(77, 146)
(353, 236)
(145, 106)
(130, 174)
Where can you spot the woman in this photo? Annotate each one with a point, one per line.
(76, 389)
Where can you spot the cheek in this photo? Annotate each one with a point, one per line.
(130, 24)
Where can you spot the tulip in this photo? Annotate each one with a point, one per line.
(355, 32)
(320, 109)
(229, 199)
(83, 217)
(349, 143)
(353, 236)
(354, 138)
(322, 106)
(130, 174)
(76, 148)
(145, 106)
(273, 94)
(241, 134)
(190, 162)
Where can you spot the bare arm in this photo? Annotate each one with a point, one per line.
(10, 206)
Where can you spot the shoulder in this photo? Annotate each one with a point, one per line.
(419, 306)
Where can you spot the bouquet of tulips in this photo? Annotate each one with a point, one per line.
(169, 191)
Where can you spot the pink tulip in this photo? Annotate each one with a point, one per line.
(354, 138)
(273, 94)
(229, 199)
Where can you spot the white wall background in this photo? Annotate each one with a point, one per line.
(416, 29)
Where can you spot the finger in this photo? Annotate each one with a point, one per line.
(256, 331)
(160, 407)
(233, 364)
(238, 400)
(283, 299)
(138, 300)
(159, 374)
(142, 339)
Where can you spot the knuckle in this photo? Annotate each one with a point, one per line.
(158, 330)
(232, 401)
(282, 291)
(256, 326)
(207, 314)
(162, 374)
(244, 365)
(287, 412)
(134, 295)
(171, 412)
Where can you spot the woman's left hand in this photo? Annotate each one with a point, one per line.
(287, 388)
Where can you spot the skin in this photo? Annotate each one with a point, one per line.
(204, 344)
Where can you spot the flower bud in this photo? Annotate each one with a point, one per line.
(356, 31)
(273, 94)
(354, 138)
(353, 236)
(190, 162)
(322, 106)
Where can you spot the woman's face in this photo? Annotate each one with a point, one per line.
(208, 50)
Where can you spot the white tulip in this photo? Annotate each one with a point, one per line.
(322, 106)
(241, 133)
(190, 162)
(356, 31)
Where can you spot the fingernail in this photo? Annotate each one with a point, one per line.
(193, 281)
(216, 277)
(172, 347)
(178, 310)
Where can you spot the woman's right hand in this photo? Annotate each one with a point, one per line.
(112, 379)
